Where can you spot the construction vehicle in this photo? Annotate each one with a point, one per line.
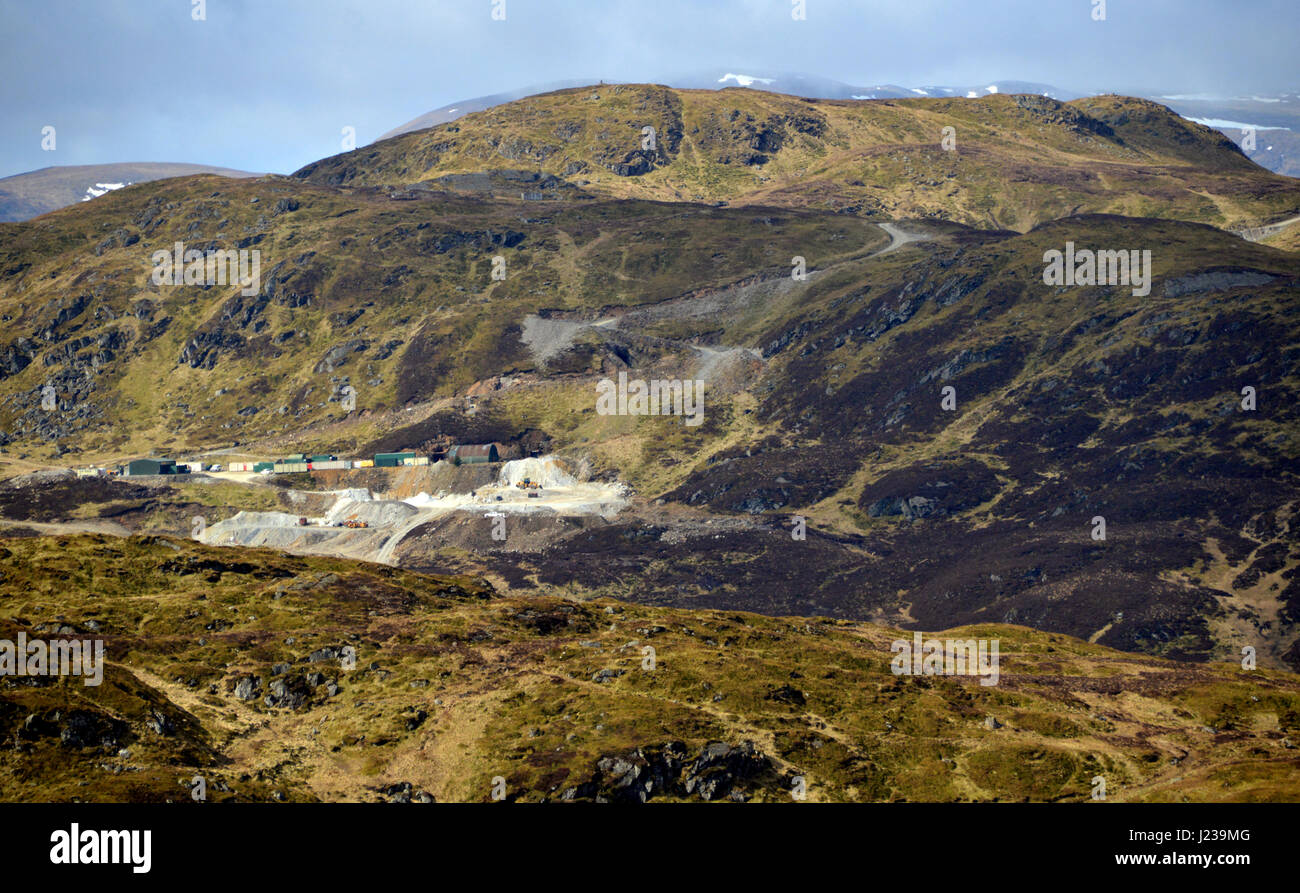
(529, 484)
(355, 524)
(302, 522)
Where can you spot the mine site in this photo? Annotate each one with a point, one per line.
(479, 407)
(403, 493)
(369, 525)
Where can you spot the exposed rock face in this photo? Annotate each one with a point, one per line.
(1216, 280)
(787, 694)
(719, 771)
(287, 690)
(247, 687)
(634, 164)
(936, 490)
(290, 692)
(337, 355)
(405, 792)
(85, 728)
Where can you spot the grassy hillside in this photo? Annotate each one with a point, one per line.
(391, 297)
(24, 196)
(226, 665)
(823, 395)
(1019, 160)
(1072, 403)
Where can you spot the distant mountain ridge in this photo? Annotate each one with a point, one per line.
(1277, 119)
(808, 86)
(1279, 114)
(1018, 161)
(28, 195)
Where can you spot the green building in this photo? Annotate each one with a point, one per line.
(391, 460)
(151, 466)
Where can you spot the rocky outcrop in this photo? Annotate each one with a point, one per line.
(337, 355)
(405, 792)
(718, 771)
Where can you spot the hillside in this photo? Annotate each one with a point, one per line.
(824, 395)
(1277, 117)
(394, 297)
(230, 666)
(792, 84)
(1019, 160)
(1071, 406)
(24, 196)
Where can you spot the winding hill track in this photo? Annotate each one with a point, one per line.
(1259, 233)
(899, 238)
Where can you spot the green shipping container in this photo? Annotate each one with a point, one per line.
(152, 466)
(391, 460)
(263, 466)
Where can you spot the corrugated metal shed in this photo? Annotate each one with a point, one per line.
(473, 453)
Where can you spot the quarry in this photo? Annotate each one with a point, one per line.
(368, 525)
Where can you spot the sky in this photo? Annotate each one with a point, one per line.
(269, 85)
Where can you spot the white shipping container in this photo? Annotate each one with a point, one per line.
(334, 463)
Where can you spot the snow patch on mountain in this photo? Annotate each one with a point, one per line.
(1220, 123)
(99, 189)
(744, 80)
